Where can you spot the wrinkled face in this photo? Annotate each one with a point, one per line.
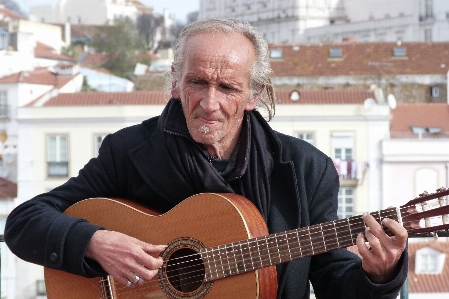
(214, 88)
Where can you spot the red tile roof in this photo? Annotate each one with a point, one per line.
(8, 189)
(428, 283)
(161, 97)
(8, 15)
(95, 59)
(330, 96)
(40, 75)
(420, 114)
(109, 98)
(361, 59)
(44, 51)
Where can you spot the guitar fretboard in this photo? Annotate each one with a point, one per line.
(253, 254)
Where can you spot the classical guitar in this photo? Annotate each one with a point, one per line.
(219, 247)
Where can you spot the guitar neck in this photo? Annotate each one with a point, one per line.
(253, 254)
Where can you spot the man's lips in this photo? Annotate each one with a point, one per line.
(207, 121)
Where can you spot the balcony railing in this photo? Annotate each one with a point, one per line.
(410, 135)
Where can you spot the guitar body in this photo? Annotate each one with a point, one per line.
(211, 219)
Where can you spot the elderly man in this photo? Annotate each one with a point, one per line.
(210, 138)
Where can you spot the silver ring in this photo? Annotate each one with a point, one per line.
(136, 280)
(128, 284)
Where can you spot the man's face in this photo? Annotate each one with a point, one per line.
(214, 88)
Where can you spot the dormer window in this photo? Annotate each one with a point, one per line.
(429, 261)
(335, 53)
(400, 52)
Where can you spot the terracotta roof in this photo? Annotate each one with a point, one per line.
(109, 98)
(330, 96)
(41, 75)
(428, 283)
(160, 98)
(420, 114)
(95, 59)
(8, 15)
(44, 51)
(8, 189)
(361, 59)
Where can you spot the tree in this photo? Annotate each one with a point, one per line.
(147, 26)
(121, 42)
(13, 6)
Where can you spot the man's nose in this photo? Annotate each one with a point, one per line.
(210, 100)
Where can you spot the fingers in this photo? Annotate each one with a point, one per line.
(376, 235)
(128, 260)
(380, 260)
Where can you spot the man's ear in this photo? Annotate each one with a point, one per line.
(175, 91)
(251, 105)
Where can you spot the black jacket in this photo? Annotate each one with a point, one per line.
(133, 163)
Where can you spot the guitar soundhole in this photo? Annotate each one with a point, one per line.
(185, 270)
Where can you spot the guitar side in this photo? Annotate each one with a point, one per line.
(212, 219)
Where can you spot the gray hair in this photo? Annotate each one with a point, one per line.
(260, 71)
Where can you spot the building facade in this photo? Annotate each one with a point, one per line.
(330, 21)
(87, 12)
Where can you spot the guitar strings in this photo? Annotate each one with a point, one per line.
(305, 250)
(332, 245)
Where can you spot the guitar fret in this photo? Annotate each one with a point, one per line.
(336, 235)
(299, 243)
(221, 262)
(215, 264)
(288, 246)
(277, 246)
(228, 249)
(246, 255)
(207, 265)
(310, 237)
(283, 247)
(268, 250)
(322, 235)
(235, 259)
(350, 232)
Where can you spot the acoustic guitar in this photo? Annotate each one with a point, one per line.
(219, 246)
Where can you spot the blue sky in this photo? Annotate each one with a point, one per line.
(177, 8)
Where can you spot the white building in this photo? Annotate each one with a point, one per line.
(87, 12)
(387, 21)
(324, 21)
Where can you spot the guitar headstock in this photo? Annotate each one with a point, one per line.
(428, 213)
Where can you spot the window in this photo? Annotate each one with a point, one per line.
(3, 104)
(429, 261)
(400, 52)
(343, 145)
(306, 137)
(428, 35)
(98, 141)
(345, 202)
(4, 40)
(57, 156)
(335, 53)
(276, 53)
(435, 91)
(429, 8)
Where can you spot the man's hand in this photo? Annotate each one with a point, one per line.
(380, 260)
(124, 257)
